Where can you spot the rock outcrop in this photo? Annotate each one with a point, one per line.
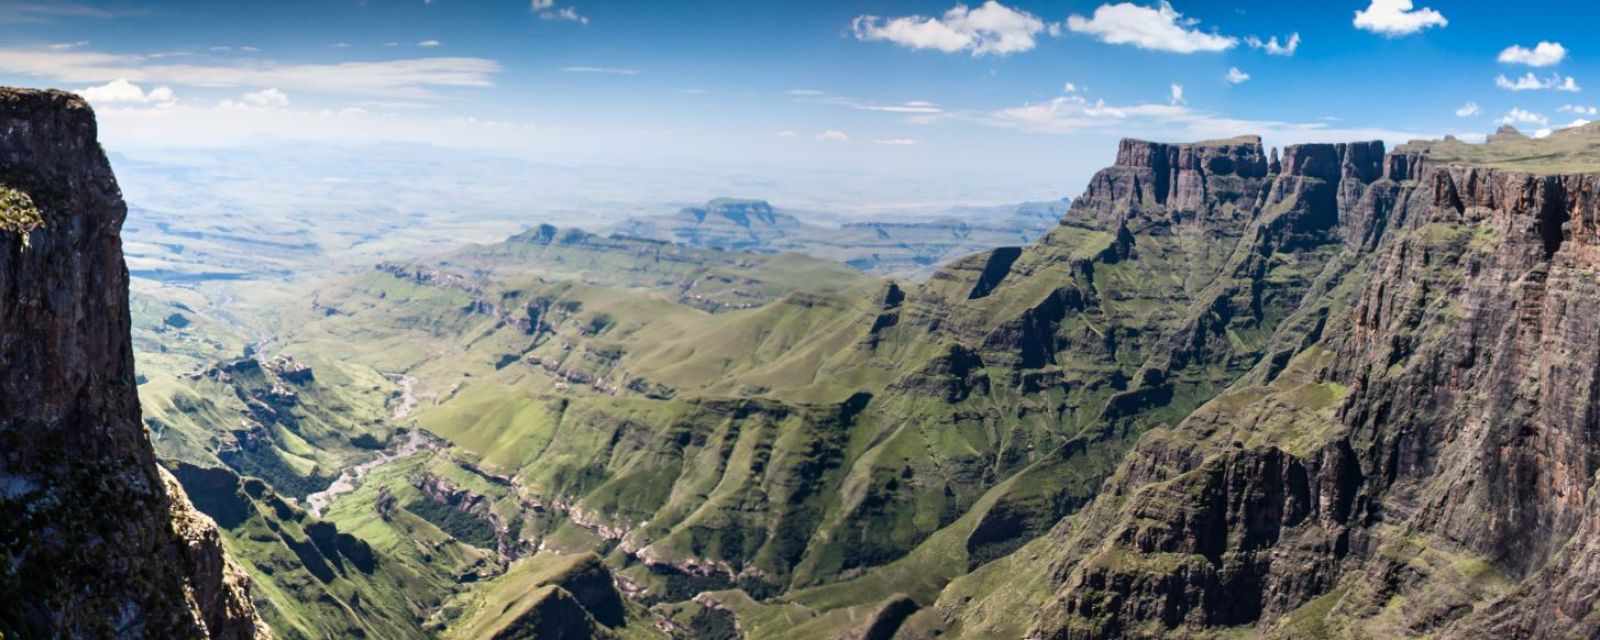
(98, 541)
(1417, 457)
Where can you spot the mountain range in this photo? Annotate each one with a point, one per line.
(1328, 391)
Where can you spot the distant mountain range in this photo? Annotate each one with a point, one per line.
(882, 247)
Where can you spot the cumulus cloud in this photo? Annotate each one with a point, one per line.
(1579, 109)
(990, 29)
(1395, 18)
(1543, 54)
(1531, 82)
(1467, 110)
(833, 135)
(1519, 116)
(1175, 94)
(267, 98)
(1271, 46)
(1158, 28)
(120, 91)
(404, 78)
(1235, 76)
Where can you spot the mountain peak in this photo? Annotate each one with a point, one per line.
(740, 211)
(1506, 133)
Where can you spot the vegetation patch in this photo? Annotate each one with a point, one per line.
(18, 213)
(460, 525)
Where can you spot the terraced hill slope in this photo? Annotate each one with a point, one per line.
(829, 445)
(1334, 393)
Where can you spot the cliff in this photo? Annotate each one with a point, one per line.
(100, 541)
(1418, 458)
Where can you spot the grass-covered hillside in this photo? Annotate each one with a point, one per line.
(745, 439)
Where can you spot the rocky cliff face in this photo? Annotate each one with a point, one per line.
(98, 542)
(1420, 460)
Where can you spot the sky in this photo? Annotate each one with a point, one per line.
(1024, 97)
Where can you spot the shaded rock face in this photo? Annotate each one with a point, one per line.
(98, 542)
(1424, 461)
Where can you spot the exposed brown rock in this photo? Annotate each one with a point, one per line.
(99, 542)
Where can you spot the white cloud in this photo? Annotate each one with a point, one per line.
(429, 44)
(833, 135)
(1519, 116)
(30, 12)
(1176, 94)
(1531, 82)
(1545, 132)
(1235, 76)
(1394, 18)
(271, 98)
(915, 106)
(787, 134)
(1579, 109)
(231, 123)
(1271, 46)
(120, 91)
(1159, 28)
(340, 45)
(1069, 88)
(541, 5)
(566, 14)
(992, 28)
(899, 142)
(804, 92)
(1073, 114)
(62, 46)
(1543, 54)
(404, 78)
(1467, 110)
(615, 71)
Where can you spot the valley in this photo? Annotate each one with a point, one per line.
(1225, 375)
(782, 446)
(998, 320)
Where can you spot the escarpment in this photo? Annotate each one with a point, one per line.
(1414, 456)
(99, 542)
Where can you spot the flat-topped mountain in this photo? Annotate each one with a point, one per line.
(890, 247)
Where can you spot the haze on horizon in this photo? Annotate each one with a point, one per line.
(824, 104)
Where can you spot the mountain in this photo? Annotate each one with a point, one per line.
(887, 247)
(840, 449)
(100, 541)
(1299, 395)
(1416, 460)
(1332, 392)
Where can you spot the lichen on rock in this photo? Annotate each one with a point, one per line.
(18, 213)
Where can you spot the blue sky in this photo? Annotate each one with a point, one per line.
(1015, 92)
